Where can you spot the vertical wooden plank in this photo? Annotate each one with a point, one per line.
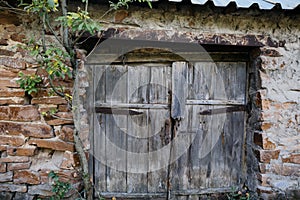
(137, 143)
(159, 84)
(241, 79)
(99, 140)
(179, 89)
(138, 83)
(159, 136)
(116, 127)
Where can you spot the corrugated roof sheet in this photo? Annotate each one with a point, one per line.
(263, 4)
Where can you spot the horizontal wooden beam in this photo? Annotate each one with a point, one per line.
(163, 194)
(155, 57)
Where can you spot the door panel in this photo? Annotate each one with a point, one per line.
(140, 108)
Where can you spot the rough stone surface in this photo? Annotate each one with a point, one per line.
(6, 177)
(26, 176)
(55, 144)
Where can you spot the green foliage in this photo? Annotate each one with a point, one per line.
(38, 6)
(125, 3)
(29, 82)
(55, 61)
(236, 194)
(79, 21)
(60, 188)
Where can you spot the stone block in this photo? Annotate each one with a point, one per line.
(61, 119)
(22, 151)
(12, 140)
(53, 143)
(266, 156)
(23, 196)
(26, 176)
(14, 159)
(2, 167)
(6, 177)
(43, 190)
(18, 166)
(29, 130)
(6, 187)
(66, 133)
(19, 113)
(292, 158)
(49, 100)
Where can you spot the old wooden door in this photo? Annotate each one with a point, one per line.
(169, 130)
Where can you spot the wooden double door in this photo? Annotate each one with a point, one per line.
(168, 130)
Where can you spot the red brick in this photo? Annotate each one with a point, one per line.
(12, 140)
(19, 113)
(5, 187)
(2, 167)
(62, 118)
(266, 126)
(265, 104)
(3, 42)
(293, 158)
(63, 108)
(18, 37)
(18, 166)
(265, 156)
(6, 52)
(49, 100)
(66, 133)
(263, 141)
(22, 151)
(28, 130)
(12, 93)
(26, 176)
(8, 83)
(13, 63)
(6, 177)
(70, 160)
(120, 16)
(53, 143)
(3, 147)
(14, 159)
(12, 101)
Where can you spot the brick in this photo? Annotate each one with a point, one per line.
(19, 113)
(18, 37)
(22, 151)
(28, 130)
(63, 118)
(3, 42)
(66, 133)
(285, 169)
(43, 190)
(265, 104)
(266, 126)
(18, 166)
(263, 141)
(48, 100)
(8, 83)
(12, 101)
(265, 156)
(2, 167)
(12, 63)
(3, 147)
(6, 177)
(293, 158)
(12, 188)
(53, 143)
(5, 52)
(27, 176)
(12, 140)
(121, 15)
(70, 160)
(12, 93)
(14, 159)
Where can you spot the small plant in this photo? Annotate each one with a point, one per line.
(59, 188)
(236, 194)
(29, 82)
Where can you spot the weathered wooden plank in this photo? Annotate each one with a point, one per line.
(99, 83)
(153, 57)
(179, 89)
(214, 102)
(138, 84)
(116, 140)
(159, 137)
(116, 84)
(137, 142)
(160, 78)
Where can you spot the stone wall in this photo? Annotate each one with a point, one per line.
(31, 144)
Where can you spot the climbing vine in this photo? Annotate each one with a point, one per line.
(59, 59)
